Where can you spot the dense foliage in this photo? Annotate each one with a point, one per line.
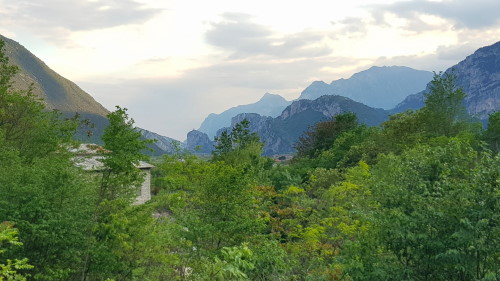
(415, 199)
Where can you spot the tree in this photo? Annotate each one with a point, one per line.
(323, 135)
(437, 215)
(110, 234)
(25, 123)
(9, 271)
(122, 152)
(492, 134)
(239, 140)
(444, 113)
(41, 191)
(224, 204)
(7, 71)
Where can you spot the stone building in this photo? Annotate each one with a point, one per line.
(88, 157)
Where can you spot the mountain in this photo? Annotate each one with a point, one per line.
(198, 142)
(479, 77)
(269, 105)
(162, 145)
(57, 92)
(379, 87)
(279, 134)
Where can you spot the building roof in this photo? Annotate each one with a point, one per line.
(89, 157)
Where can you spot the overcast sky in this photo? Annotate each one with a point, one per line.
(172, 62)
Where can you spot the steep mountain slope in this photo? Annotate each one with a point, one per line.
(281, 133)
(479, 76)
(380, 87)
(162, 145)
(60, 93)
(268, 105)
(56, 91)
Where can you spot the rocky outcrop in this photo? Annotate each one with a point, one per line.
(281, 133)
(264, 127)
(327, 109)
(479, 77)
(199, 142)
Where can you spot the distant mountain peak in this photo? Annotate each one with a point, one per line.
(377, 86)
(269, 105)
(269, 96)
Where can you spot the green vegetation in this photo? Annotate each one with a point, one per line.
(417, 198)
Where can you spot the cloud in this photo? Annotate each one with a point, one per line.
(56, 18)
(478, 14)
(238, 34)
(352, 26)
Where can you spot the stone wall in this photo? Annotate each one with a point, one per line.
(145, 190)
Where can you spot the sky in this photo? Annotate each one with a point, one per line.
(173, 62)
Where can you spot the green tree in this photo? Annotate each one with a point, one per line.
(444, 112)
(111, 238)
(438, 214)
(224, 205)
(238, 145)
(243, 149)
(122, 152)
(10, 270)
(323, 134)
(41, 191)
(492, 133)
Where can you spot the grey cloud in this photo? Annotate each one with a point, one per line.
(243, 38)
(476, 14)
(354, 25)
(76, 14)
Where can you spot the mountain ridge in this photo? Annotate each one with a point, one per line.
(268, 105)
(378, 86)
(479, 77)
(279, 134)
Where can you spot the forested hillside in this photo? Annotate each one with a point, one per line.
(416, 198)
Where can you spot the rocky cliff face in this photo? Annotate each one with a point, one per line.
(327, 109)
(264, 126)
(479, 76)
(198, 142)
(281, 133)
